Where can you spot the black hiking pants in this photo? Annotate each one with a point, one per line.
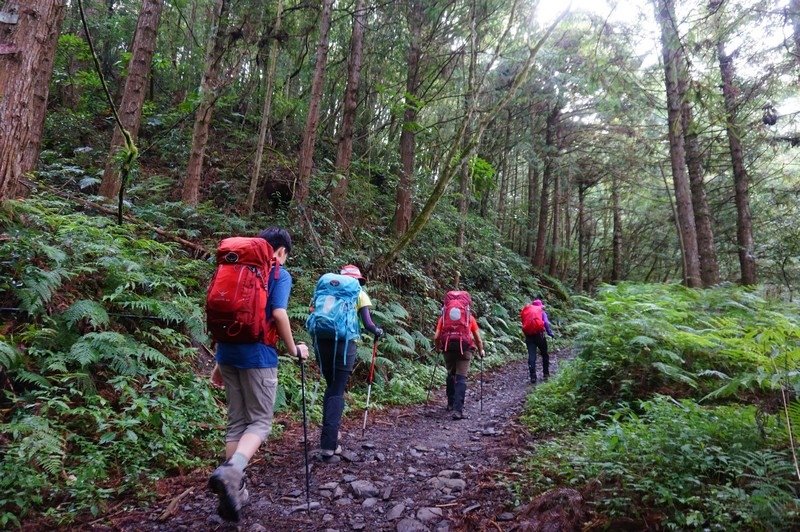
(533, 342)
(457, 365)
(336, 367)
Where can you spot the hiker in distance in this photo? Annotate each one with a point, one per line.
(339, 301)
(534, 326)
(246, 330)
(457, 337)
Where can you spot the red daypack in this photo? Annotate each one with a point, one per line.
(456, 314)
(236, 303)
(532, 319)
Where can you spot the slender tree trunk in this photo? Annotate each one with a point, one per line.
(616, 253)
(550, 141)
(581, 237)
(136, 84)
(28, 34)
(563, 256)
(30, 158)
(209, 92)
(709, 269)
(533, 188)
(555, 236)
(266, 110)
(344, 150)
(402, 217)
(744, 222)
(502, 200)
(312, 120)
(673, 73)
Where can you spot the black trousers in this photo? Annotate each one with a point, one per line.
(336, 367)
(533, 342)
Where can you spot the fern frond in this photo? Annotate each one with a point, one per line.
(10, 356)
(86, 309)
(422, 340)
(298, 313)
(398, 311)
(28, 377)
(675, 373)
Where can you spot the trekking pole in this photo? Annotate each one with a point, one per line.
(481, 399)
(430, 384)
(305, 431)
(369, 386)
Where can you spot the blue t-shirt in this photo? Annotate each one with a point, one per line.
(258, 355)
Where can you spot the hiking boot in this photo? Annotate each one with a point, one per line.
(546, 377)
(460, 392)
(244, 496)
(227, 483)
(449, 408)
(458, 414)
(329, 457)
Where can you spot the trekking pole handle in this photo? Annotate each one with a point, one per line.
(297, 353)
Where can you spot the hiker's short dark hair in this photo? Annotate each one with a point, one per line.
(277, 237)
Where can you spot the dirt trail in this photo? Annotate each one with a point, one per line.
(415, 469)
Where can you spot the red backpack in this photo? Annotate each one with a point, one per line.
(236, 303)
(532, 319)
(456, 317)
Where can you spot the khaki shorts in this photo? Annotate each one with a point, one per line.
(458, 363)
(251, 400)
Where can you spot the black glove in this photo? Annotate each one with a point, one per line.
(378, 333)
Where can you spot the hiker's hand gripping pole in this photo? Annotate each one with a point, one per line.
(369, 386)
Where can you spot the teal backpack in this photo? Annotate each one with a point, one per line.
(333, 313)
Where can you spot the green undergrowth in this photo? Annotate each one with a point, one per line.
(105, 389)
(676, 465)
(670, 416)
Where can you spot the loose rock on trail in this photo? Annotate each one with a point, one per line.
(415, 469)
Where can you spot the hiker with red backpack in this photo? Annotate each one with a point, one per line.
(534, 326)
(339, 301)
(246, 314)
(457, 337)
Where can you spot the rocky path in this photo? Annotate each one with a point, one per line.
(414, 470)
